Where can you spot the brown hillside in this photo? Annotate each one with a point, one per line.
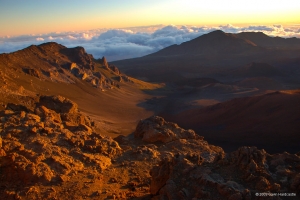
(100, 89)
(270, 121)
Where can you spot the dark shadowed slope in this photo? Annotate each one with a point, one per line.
(270, 121)
(255, 69)
(216, 42)
(263, 40)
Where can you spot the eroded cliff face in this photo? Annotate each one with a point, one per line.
(53, 151)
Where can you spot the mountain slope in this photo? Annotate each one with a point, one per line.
(99, 88)
(212, 55)
(270, 121)
(216, 42)
(263, 40)
(257, 70)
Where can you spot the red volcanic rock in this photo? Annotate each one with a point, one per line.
(79, 56)
(104, 63)
(32, 72)
(114, 69)
(238, 175)
(100, 76)
(248, 158)
(156, 129)
(47, 148)
(58, 103)
(146, 152)
(295, 183)
(48, 114)
(54, 63)
(36, 147)
(17, 167)
(15, 107)
(160, 174)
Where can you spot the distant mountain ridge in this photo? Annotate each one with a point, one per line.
(227, 43)
(213, 55)
(213, 42)
(266, 41)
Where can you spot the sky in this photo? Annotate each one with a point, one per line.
(121, 29)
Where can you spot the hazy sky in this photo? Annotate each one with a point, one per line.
(19, 17)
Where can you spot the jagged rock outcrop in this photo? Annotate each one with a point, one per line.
(103, 62)
(58, 104)
(239, 175)
(32, 72)
(97, 79)
(53, 73)
(155, 129)
(190, 168)
(56, 144)
(56, 63)
(114, 69)
(79, 56)
(126, 79)
(41, 146)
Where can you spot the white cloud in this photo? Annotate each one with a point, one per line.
(115, 33)
(259, 28)
(161, 42)
(139, 38)
(168, 31)
(39, 39)
(125, 50)
(132, 42)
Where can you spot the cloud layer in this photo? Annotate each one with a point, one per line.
(116, 44)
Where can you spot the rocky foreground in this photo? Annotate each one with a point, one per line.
(53, 151)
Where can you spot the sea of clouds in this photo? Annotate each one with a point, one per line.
(116, 44)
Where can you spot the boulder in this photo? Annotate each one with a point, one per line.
(18, 168)
(156, 129)
(15, 107)
(159, 175)
(58, 103)
(79, 56)
(108, 147)
(114, 69)
(248, 158)
(72, 66)
(84, 76)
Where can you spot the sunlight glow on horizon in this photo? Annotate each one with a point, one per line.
(37, 17)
